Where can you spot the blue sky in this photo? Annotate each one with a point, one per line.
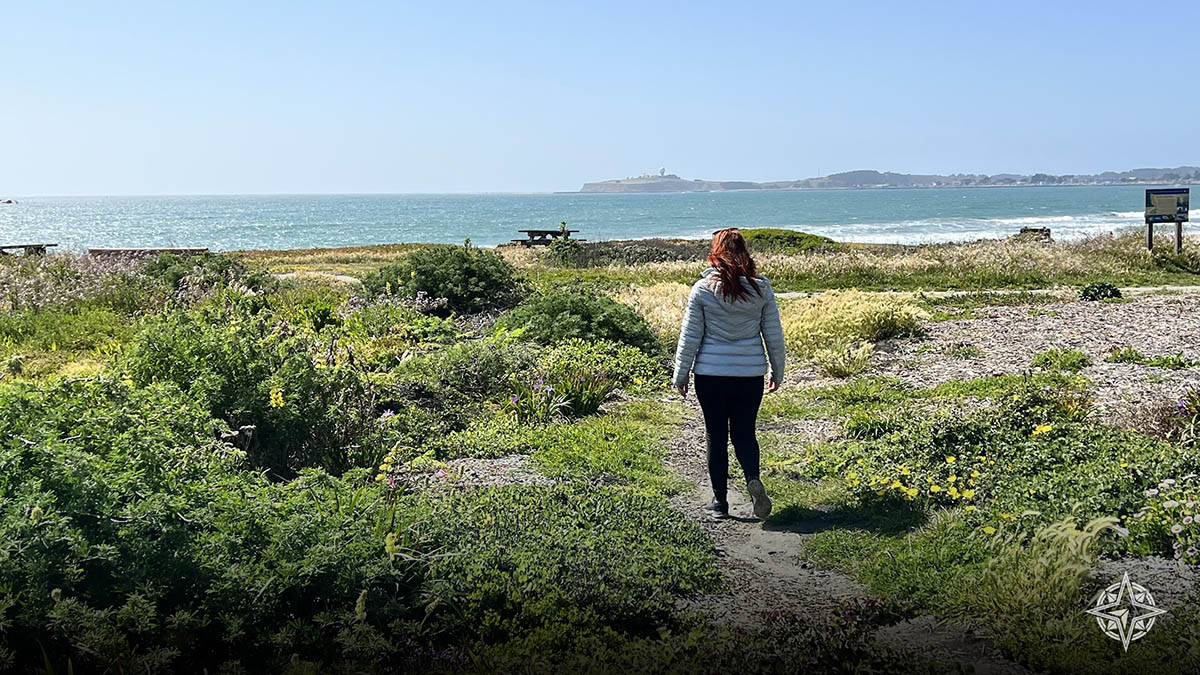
(261, 97)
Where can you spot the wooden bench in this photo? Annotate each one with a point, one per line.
(543, 237)
(145, 252)
(30, 249)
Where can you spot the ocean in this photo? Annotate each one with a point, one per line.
(304, 221)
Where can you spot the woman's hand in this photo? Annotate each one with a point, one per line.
(772, 387)
(682, 389)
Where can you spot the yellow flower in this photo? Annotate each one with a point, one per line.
(1016, 397)
(989, 530)
(276, 398)
(935, 488)
(911, 492)
(904, 471)
(952, 478)
(896, 485)
(1041, 429)
(974, 474)
(951, 459)
(967, 494)
(970, 507)
(852, 475)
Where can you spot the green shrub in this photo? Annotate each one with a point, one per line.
(136, 542)
(1125, 355)
(485, 368)
(202, 273)
(1171, 362)
(1068, 360)
(578, 254)
(310, 402)
(777, 240)
(82, 328)
(470, 279)
(626, 366)
(1099, 290)
(1169, 523)
(557, 316)
(565, 561)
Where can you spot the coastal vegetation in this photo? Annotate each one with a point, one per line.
(458, 459)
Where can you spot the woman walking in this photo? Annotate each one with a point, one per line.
(731, 313)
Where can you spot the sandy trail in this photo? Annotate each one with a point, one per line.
(766, 571)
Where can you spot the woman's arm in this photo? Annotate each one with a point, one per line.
(690, 334)
(772, 332)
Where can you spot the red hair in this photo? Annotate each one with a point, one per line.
(732, 261)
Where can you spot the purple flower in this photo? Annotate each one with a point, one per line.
(515, 399)
(387, 414)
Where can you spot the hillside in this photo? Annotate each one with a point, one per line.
(868, 178)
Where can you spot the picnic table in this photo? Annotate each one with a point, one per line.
(30, 249)
(544, 237)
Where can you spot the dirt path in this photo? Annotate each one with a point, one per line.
(766, 572)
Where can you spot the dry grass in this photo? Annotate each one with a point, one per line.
(352, 261)
(662, 304)
(839, 318)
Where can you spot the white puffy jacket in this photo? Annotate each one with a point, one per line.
(719, 337)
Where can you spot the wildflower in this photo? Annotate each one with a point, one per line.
(911, 492)
(1151, 492)
(1176, 529)
(952, 478)
(969, 507)
(1192, 552)
(974, 474)
(967, 494)
(1041, 429)
(1170, 504)
(276, 398)
(514, 399)
(904, 470)
(989, 530)
(935, 488)
(895, 484)
(951, 459)
(388, 414)
(1188, 520)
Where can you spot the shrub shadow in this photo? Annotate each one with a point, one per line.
(883, 517)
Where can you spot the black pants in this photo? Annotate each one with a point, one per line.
(730, 406)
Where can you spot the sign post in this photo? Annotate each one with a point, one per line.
(1166, 206)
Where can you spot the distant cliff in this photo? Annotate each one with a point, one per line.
(875, 179)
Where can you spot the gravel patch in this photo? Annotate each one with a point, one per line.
(1004, 340)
